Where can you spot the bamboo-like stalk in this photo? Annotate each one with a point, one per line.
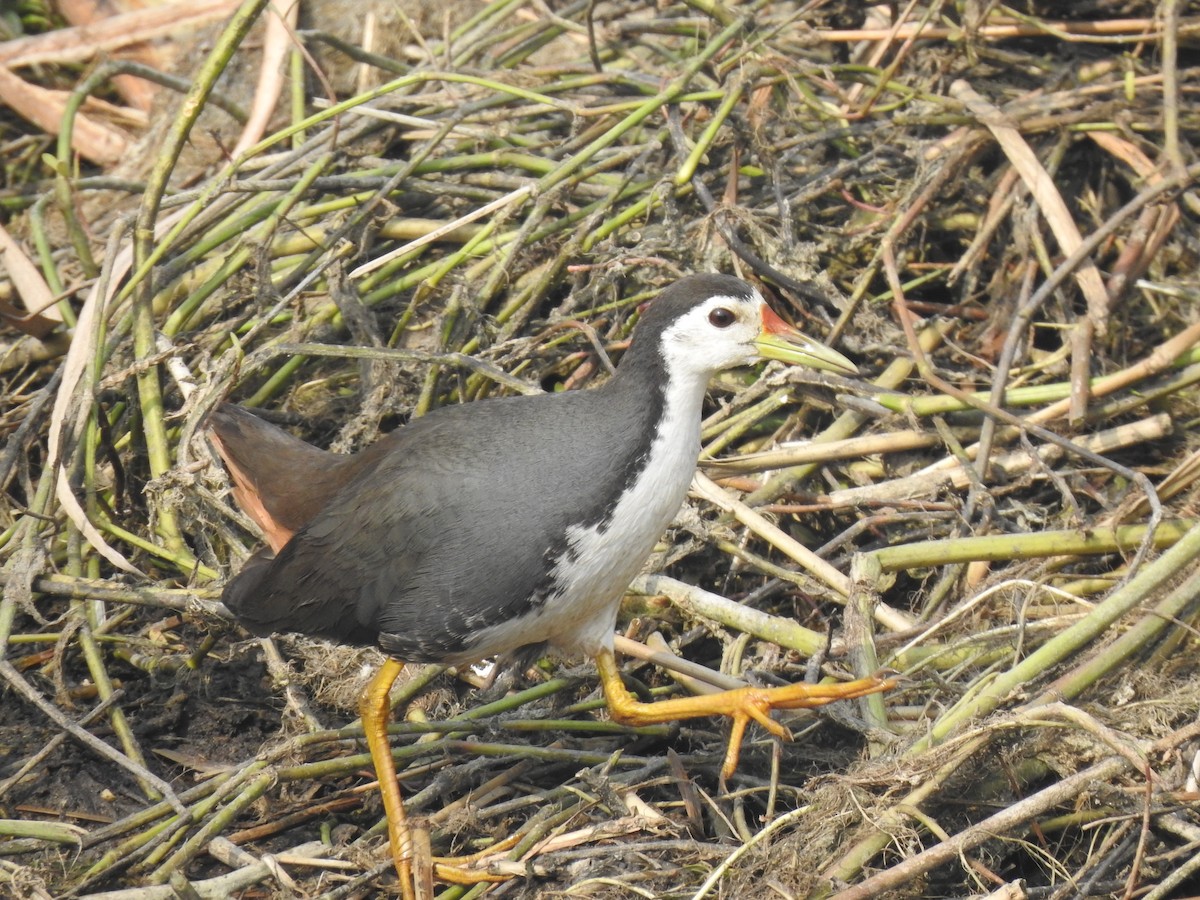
(1026, 546)
(492, 214)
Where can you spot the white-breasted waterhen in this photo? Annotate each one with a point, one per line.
(485, 528)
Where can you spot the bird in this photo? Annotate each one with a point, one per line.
(494, 527)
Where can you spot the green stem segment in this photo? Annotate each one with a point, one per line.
(149, 389)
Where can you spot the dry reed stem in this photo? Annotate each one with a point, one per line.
(487, 221)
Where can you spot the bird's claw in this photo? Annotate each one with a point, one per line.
(473, 869)
(742, 705)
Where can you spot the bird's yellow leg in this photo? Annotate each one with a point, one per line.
(741, 705)
(375, 709)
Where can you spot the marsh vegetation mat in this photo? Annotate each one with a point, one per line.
(992, 209)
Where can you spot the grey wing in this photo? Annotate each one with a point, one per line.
(313, 586)
(426, 548)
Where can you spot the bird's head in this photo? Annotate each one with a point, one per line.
(707, 323)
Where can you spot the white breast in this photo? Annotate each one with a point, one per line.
(605, 558)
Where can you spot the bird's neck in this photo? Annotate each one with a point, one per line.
(649, 375)
(655, 403)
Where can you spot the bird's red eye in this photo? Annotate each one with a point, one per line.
(721, 317)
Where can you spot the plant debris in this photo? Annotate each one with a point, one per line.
(992, 209)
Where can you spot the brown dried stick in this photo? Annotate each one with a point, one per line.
(78, 44)
(1041, 186)
(1130, 29)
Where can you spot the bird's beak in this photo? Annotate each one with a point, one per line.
(779, 340)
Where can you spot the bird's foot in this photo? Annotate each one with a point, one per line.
(740, 705)
(743, 705)
(418, 869)
(478, 867)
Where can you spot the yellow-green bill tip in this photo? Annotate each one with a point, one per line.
(779, 340)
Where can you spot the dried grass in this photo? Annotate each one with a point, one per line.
(1000, 204)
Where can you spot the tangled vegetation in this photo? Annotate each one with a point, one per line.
(991, 209)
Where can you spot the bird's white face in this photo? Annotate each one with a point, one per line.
(725, 331)
(717, 334)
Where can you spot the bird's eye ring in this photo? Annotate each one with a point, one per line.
(721, 317)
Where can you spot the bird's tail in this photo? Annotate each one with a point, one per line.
(279, 481)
